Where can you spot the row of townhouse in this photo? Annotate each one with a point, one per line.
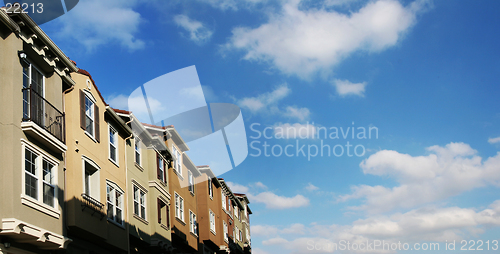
(78, 176)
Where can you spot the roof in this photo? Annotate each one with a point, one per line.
(86, 73)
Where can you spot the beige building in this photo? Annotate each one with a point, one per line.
(149, 200)
(34, 74)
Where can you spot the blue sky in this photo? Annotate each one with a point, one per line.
(424, 73)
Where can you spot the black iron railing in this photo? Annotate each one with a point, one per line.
(94, 205)
(44, 114)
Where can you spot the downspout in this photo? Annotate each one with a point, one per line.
(126, 187)
(65, 224)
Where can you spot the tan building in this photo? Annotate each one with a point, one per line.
(34, 73)
(210, 214)
(149, 201)
(182, 174)
(96, 165)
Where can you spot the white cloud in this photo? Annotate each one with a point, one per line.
(295, 229)
(237, 188)
(260, 185)
(259, 251)
(231, 4)
(494, 140)
(300, 114)
(345, 87)
(273, 201)
(263, 230)
(275, 241)
(311, 187)
(198, 32)
(445, 172)
(263, 101)
(94, 23)
(304, 41)
(119, 101)
(296, 130)
(416, 226)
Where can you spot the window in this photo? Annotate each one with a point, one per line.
(212, 221)
(34, 79)
(89, 115)
(236, 233)
(241, 237)
(210, 188)
(193, 226)
(247, 234)
(91, 179)
(114, 198)
(138, 151)
(223, 195)
(236, 212)
(161, 168)
(113, 144)
(163, 208)
(225, 231)
(36, 167)
(139, 202)
(179, 207)
(191, 181)
(48, 183)
(178, 161)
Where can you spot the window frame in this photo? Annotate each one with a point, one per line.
(91, 116)
(38, 175)
(94, 190)
(210, 188)
(178, 160)
(140, 198)
(161, 167)
(225, 229)
(191, 181)
(212, 221)
(115, 134)
(29, 78)
(179, 207)
(137, 150)
(116, 203)
(193, 226)
(223, 198)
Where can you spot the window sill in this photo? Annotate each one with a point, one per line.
(114, 162)
(141, 219)
(90, 136)
(192, 193)
(213, 232)
(178, 174)
(139, 167)
(116, 224)
(35, 204)
(193, 234)
(164, 226)
(181, 221)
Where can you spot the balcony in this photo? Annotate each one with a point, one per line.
(43, 121)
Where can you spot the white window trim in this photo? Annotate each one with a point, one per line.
(97, 195)
(236, 233)
(191, 182)
(91, 98)
(145, 191)
(192, 223)
(225, 231)
(223, 198)
(179, 207)
(212, 221)
(35, 203)
(178, 160)
(162, 168)
(137, 142)
(210, 188)
(30, 74)
(115, 161)
(116, 189)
